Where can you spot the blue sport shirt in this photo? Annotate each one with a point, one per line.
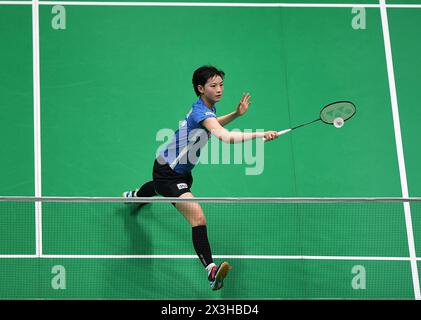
(183, 151)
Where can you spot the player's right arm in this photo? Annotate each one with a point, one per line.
(226, 136)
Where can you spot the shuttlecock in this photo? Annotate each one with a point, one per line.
(338, 122)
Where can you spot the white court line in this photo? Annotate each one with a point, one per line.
(18, 256)
(212, 4)
(403, 6)
(185, 256)
(399, 149)
(16, 2)
(37, 125)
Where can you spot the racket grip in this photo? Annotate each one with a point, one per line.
(279, 133)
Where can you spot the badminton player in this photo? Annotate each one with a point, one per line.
(172, 168)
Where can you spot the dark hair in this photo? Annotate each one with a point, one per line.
(203, 74)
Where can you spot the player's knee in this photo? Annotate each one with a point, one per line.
(200, 220)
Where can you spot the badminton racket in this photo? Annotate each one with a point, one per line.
(335, 113)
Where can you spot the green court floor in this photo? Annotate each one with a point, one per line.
(117, 76)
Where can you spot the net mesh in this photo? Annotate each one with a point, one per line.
(278, 250)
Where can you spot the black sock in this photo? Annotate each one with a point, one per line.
(201, 244)
(147, 190)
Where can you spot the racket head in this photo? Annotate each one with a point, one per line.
(338, 109)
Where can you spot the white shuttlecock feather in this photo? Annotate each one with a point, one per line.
(338, 122)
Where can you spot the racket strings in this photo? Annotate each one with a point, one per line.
(340, 109)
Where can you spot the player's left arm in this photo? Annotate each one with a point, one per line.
(241, 109)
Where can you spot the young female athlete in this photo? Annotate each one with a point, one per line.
(172, 168)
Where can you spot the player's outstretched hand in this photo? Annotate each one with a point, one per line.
(270, 135)
(244, 104)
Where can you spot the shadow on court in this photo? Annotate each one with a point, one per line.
(134, 225)
(131, 276)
